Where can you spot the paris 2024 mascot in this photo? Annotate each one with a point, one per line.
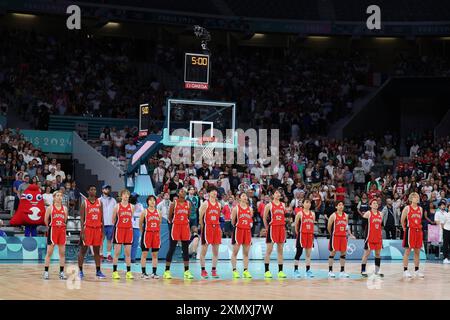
(31, 210)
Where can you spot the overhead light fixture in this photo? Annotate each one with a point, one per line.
(385, 38)
(318, 38)
(112, 24)
(258, 36)
(24, 15)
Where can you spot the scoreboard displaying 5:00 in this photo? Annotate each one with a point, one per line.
(144, 119)
(196, 71)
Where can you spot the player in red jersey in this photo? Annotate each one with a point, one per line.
(123, 232)
(304, 231)
(150, 223)
(411, 221)
(374, 237)
(274, 222)
(55, 219)
(338, 229)
(91, 217)
(178, 220)
(242, 221)
(211, 234)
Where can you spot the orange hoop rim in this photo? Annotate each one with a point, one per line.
(205, 140)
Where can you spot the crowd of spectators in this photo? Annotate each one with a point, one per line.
(97, 76)
(118, 143)
(297, 91)
(294, 92)
(421, 65)
(322, 169)
(73, 74)
(325, 171)
(21, 164)
(289, 88)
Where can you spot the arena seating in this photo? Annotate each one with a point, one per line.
(404, 10)
(283, 9)
(342, 10)
(200, 6)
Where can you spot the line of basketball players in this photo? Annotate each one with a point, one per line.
(91, 216)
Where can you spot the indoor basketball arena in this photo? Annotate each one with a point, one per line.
(226, 149)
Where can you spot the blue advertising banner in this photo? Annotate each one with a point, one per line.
(23, 248)
(392, 250)
(34, 248)
(50, 141)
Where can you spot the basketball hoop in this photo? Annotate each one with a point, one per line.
(207, 146)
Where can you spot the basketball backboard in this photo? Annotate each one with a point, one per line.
(188, 121)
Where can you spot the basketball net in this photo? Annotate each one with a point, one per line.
(206, 144)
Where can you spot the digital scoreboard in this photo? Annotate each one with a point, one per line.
(144, 119)
(196, 71)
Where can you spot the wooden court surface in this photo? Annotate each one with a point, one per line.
(24, 281)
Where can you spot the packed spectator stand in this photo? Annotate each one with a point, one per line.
(325, 171)
(301, 97)
(21, 164)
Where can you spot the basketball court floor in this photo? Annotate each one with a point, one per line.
(23, 280)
